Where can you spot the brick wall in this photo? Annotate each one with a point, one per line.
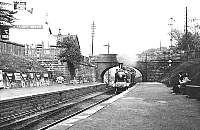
(47, 57)
(86, 73)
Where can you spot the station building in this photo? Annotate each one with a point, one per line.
(31, 37)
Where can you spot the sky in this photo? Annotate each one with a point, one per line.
(129, 26)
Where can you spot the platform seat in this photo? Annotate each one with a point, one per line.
(193, 91)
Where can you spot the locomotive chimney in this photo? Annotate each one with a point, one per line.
(120, 65)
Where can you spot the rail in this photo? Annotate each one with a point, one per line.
(37, 121)
(16, 109)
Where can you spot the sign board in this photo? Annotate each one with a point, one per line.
(17, 76)
(1, 78)
(46, 75)
(10, 76)
(19, 5)
(28, 26)
(5, 33)
(1, 83)
(24, 76)
(38, 76)
(1, 75)
(32, 75)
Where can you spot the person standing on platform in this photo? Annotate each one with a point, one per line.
(176, 85)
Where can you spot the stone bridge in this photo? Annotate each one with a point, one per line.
(103, 63)
(150, 70)
(155, 70)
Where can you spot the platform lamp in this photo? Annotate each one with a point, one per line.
(170, 63)
(108, 45)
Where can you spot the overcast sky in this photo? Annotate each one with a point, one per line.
(130, 26)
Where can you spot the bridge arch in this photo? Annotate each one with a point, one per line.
(103, 63)
(103, 73)
(143, 73)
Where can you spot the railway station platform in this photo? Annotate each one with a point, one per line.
(6, 94)
(146, 106)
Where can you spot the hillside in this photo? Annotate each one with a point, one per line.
(191, 67)
(19, 64)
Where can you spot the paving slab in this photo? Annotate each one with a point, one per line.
(146, 106)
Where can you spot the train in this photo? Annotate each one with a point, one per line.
(124, 78)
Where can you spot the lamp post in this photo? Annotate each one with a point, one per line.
(146, 71)
(171, 26)
(170, 63)
(108, 45)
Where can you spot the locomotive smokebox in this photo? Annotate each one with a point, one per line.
(120, 65)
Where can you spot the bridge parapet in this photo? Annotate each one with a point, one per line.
(104, 58)
(155, 70)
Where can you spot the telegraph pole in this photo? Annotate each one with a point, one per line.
(146, 67)
(186, 24)
(93, 27)
(186, 28)
(186, 31)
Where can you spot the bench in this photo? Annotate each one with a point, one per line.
(193, 91)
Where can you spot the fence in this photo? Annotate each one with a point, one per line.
(7, 47)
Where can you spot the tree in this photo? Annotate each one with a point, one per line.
(6, 20)
(176, 35)
(185, 42)
(6, 16)
(189, 42)
(70, 53)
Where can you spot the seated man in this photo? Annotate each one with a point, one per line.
(184, 79)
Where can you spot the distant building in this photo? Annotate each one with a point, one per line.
(30, 26)
(60, 38)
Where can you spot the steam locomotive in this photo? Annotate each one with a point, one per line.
(124, 78)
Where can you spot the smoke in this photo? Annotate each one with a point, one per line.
(127, 60)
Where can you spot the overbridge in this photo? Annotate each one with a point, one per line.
(103, 63)
(152, 70)
(155, 70)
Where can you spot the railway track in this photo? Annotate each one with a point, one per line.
(49, 117)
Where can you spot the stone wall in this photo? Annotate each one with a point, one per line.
(86, 73)
(155, 70)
